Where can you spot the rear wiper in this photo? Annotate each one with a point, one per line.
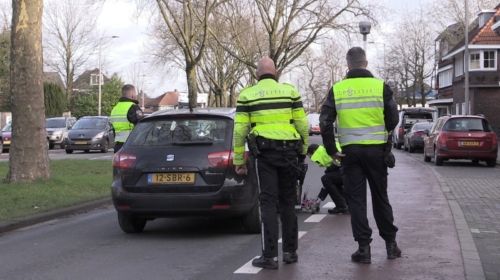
(193, 143)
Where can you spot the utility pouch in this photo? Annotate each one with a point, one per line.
(252, 145)
(265, 144)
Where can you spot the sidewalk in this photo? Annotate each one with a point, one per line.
(431, 235)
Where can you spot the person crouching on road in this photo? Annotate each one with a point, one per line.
(278, 121)
(332, 180)
(125, 115)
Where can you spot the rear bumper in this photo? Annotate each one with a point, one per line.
(229, 201)
(91, 145)
(454, 154)
(417, 143)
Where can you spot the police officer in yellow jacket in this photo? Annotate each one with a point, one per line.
(277, 120)
(125, 115)
(366, 112)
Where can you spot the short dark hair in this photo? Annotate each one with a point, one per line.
(312, 148)
(356, 57)
(127, 90)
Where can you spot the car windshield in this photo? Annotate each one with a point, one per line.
(467, 124)
(180, 131)
(422, 126)
(55, 123)
(7, 128)
(90, 123)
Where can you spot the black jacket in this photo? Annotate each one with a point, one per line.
(134, 114)
(329, 113)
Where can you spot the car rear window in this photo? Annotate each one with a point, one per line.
(422, 126)
(424, 116)
(90, 123)
(55, 123)
(175, 130)
(467, 124)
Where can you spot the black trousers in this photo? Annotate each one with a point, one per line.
(276, 171)
(118, 146)
(333, 185)
(362, 163)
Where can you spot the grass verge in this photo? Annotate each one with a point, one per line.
(72, 182)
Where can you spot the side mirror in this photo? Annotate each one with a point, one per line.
(426, 132)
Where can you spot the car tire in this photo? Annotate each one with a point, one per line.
(68, 151)
(437, 160)
(131, 224)
(411, 149)
(398, 146)
(51, 146)
(475, 161)
(251, 221)
(86, 151)
(492, 162)
(106, 147)
(426, 158)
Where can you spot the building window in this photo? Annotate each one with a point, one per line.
(459, 66)
(445, 78)
(475, 59)
(94, 79)
(483, 60)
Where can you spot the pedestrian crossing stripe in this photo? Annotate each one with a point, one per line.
(316, 218)
(301, 233)
(329, 205)
(248, 268)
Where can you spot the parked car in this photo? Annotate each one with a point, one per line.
(171, 167)
(58, 130)
(461, 137)
(313, 120)
(6, 136)
(407, 117)
(91, 133)
(414, 138)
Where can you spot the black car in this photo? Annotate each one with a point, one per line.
(91, 133)
(177, 163)
(407, 117)
(414, 138)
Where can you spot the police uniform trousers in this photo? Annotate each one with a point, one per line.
(275, 170)
(362, 163)
(333, 185)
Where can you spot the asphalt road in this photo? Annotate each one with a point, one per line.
(58, 153)
(92, 246)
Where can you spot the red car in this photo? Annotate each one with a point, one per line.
(461, 137)
(6, 136)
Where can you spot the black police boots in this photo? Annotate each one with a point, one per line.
(270, 263)
(363, 254)
(290, 257)
(393, 250)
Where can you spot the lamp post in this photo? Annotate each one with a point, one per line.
(364, 28)
(100, 72)
(385, 65)
(138, 62)
(466, 60)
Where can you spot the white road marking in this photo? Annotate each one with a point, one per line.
(329, 205)
(316, 218)
(301, 233)
(474, 230)
(248, 268)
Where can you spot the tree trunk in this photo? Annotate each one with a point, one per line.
(192, 85)
(223, 97)
(28, 154)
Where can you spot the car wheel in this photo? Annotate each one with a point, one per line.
(492, 162)
(398, 146)
(411, 149)
(68, 151)
(62, 145)
(51, 146)
(251, 221)
(106, 147)
(426, 158)
(475, 161)
(437, 160)
(131, 224)
(86, 151)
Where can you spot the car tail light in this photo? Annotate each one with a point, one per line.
(222, 159)
(442, 139)
(400, 131)
(418, 133)
(123, 161)
(495, 142)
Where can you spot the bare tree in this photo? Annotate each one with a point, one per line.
(183, 29)
(291, 26)
(71, 37)
(29, 159)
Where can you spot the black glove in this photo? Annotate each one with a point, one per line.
(302, 158)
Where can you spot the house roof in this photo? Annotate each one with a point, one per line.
(170, 98)
(53, 77)
(83, 80)
(481, 35)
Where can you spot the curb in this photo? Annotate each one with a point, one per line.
(51, 215)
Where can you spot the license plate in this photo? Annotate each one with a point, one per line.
(171, 178)
(81, 142)
(469, 143)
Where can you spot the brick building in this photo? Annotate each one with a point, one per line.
(484, 72)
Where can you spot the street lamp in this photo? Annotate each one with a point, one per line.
(100, 72)
(364, 28)
(138, 62)
(466, 61)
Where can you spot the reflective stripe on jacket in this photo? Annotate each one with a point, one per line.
(360, 107)
(273, 110)
(120, 122)
(322, 158)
